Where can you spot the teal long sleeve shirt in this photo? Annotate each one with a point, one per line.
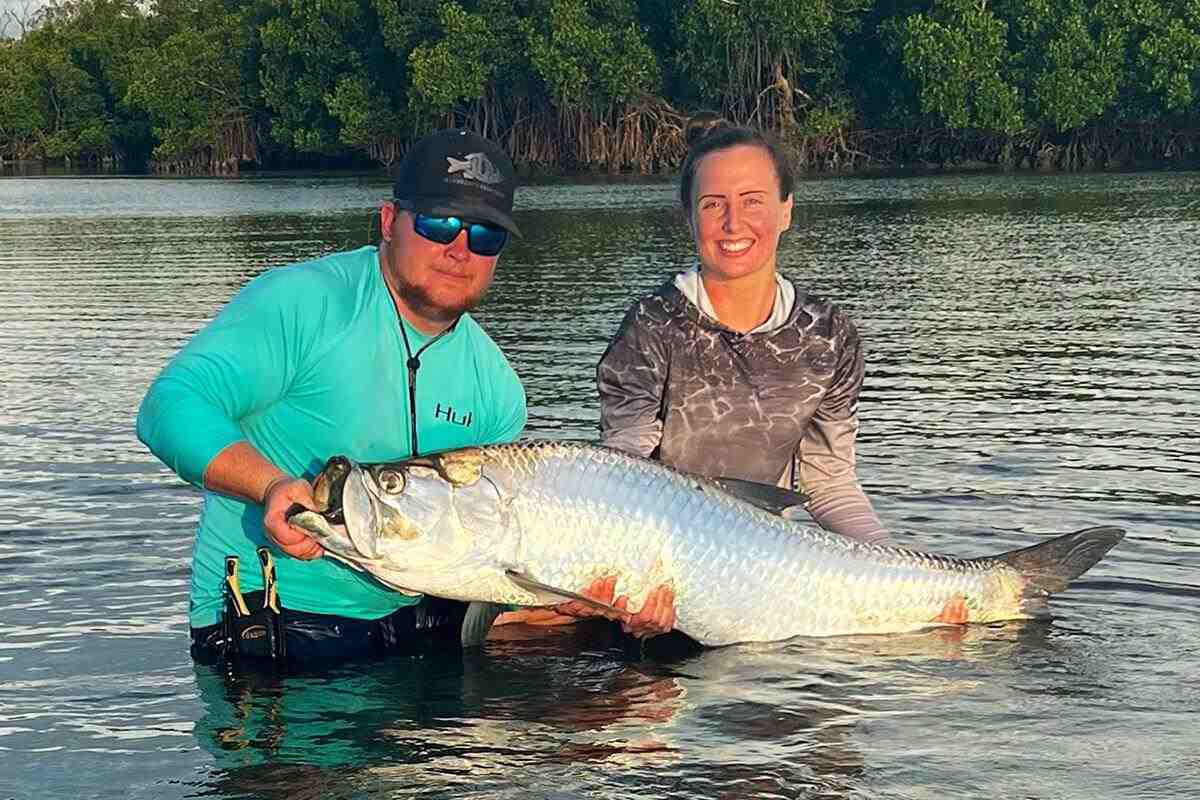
(306, 362)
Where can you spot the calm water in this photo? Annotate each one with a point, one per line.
(1033, 353)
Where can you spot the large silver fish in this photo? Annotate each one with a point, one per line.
(534, 523)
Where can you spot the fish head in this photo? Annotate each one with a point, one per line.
(327, 523)
(425, 524)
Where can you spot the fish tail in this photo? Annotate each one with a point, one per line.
(1049, 566)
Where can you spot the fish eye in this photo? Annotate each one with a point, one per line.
(391, 481)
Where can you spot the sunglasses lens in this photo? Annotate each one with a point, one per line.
(486, 240)
(442, 230)
(482, 239)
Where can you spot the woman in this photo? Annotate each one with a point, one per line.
(731, 370)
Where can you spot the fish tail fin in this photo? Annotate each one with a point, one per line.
(1049, 566)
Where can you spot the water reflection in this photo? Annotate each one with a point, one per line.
(1030, 350)
(743, 721)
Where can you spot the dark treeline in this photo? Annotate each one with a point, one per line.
(214, 85)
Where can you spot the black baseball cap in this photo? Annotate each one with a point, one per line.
(457, 173)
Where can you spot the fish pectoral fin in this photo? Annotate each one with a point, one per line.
(397, 587)
(348, 562)
(776, 499)
(554, 594)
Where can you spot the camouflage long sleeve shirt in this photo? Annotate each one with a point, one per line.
(775, 406)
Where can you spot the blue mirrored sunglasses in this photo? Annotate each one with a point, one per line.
(483, 239)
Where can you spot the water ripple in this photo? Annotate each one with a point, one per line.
(1030, 343)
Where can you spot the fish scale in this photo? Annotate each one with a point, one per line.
(737, 572)
(533, 522)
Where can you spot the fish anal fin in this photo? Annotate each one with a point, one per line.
(478, 621)
(553, 594)
(1049, 566)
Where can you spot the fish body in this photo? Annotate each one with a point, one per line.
(535, 522)
(475, 167)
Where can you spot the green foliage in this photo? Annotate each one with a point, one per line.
(1073, 57)
(1169, 57)
(78, 58)
(407, 24)
(308, 46)
(1081, 71)
(458, 65)
(590, 54)
(834, 116)
(958, 59)
(78, 125)
(22, 118)
(190, 87)
(69, 100)
(122, 78)
(730, 51)
(365, 116)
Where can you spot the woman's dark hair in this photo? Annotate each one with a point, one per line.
(708, 132)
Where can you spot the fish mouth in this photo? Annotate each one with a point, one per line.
(327, 491)
(346, 517)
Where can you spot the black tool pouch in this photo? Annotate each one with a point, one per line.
(253, 620)
(258, 634)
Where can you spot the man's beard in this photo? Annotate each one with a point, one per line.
(419, 299)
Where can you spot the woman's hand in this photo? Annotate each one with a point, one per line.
(656, 616)
(281, 495)
(955, 612)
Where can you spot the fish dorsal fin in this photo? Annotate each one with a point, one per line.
(775, 499)
(552, 594)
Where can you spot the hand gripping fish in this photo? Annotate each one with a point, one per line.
(533, 523)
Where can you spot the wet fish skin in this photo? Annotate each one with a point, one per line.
(533, 522)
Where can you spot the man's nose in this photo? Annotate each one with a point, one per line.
(457, 249)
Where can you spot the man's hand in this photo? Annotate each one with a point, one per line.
(280, 496)
(657, 614)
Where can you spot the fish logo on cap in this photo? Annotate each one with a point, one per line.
(475, 167)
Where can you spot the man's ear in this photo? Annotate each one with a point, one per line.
(387, 218)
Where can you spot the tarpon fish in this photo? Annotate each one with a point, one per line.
(534, 523)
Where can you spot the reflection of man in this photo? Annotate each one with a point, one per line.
(369, 353)
(289, 736)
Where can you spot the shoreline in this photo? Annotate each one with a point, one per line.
(544, 177)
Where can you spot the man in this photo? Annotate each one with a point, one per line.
(368, 353)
